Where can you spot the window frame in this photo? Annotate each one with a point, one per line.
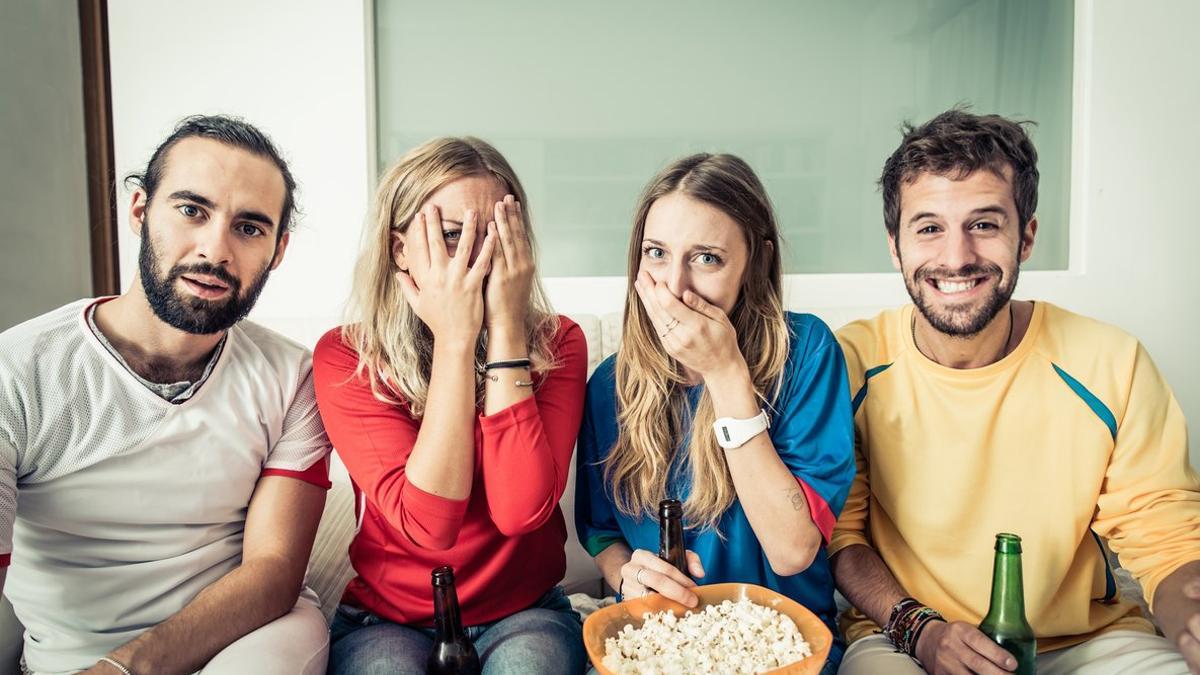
(601, 295)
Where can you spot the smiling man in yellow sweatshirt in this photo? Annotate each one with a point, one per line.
(977, 414)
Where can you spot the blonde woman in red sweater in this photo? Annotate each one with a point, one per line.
(453, 395)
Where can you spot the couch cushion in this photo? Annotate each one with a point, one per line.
(329, 565)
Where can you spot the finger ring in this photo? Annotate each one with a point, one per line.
(638, 577)
(670, 327)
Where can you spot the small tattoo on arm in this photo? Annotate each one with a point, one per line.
(797, 499)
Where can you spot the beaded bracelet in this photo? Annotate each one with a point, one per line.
(907, 621)
(899, 611)
(934, 616)
(917, 622)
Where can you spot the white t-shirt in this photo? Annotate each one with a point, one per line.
(117, 506)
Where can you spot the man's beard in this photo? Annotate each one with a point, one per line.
(189, 313)
(960, 320)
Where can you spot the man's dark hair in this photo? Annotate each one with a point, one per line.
(230, 131)
(956, 144)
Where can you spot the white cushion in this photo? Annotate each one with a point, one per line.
(329, 565)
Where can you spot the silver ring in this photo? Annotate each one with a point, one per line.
(638, 577)
(670, 327)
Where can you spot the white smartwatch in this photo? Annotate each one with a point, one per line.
(733, 433)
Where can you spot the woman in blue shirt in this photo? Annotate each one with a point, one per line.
(708, 359)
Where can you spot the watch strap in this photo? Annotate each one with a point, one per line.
(734, 433)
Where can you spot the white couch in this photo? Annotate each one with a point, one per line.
(329, 567)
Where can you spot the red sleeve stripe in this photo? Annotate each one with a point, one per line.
(5, 559)
(317, 474)
(822, 516)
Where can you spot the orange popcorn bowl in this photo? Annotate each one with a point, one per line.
(607, 622)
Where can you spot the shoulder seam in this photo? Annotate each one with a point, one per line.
(1092, 401)
(862, 392)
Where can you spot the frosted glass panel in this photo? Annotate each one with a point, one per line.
(588, 101)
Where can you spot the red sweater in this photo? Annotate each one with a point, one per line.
(505, 541)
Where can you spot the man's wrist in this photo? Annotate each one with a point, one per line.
(907, 621)
(930, 630)
(922, 629)
(119, 662)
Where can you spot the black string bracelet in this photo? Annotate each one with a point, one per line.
(511, 363)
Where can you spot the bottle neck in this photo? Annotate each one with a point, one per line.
(447, 620)
(670, 534)
(671, 547)
(1008, 590)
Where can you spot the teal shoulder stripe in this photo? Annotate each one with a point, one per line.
(862, 393)
(1110, 582)
(600, 541)
(1090, 399)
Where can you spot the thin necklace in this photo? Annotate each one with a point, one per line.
(1003, 347)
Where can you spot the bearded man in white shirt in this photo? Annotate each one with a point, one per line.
(169, 459)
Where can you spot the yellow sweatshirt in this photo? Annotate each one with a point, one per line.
(1072, 440)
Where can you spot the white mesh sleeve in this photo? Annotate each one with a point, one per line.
(8, 490)
(303, 441)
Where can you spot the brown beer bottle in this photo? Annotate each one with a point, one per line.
(670, 534)
(452, 653)
(1005, 621)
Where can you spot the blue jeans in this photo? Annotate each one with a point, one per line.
(544, 638)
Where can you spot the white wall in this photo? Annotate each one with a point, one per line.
(43, 163)
(296, 69)
(300, 70)
(1138, 145)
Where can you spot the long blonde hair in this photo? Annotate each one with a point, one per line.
(650, 382)
(395, 348)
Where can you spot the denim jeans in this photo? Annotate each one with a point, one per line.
(546, 638)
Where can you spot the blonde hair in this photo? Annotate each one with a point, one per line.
(649, 381)
(395, 348)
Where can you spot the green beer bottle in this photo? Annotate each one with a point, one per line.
(1005, 621)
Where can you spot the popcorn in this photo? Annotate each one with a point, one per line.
(732, 637)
